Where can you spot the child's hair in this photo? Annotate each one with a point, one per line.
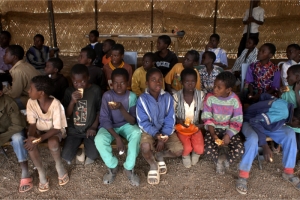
(254, 39)
(43, 83)
(166, 39)
(215, 36)
(195, 54)
(295, 69)
(228, 78)
(297, 113)
(211, 54)
(120, 71)
(188, 71)
(39, 36)
(149, 55)
(271, 47)
(95, 33)
(118, 47)
(90, 53)
(16, 50)
(152, 71)
(6, 33)
(80, 69)
(295, 46)
(110, 42)
(57, 63)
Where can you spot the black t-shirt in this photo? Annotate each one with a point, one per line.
(165, 64)
(99, 54)
(97, 77)
(85, 110)
(60, 85)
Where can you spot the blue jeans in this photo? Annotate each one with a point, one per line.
(285, 136)
(18, 145)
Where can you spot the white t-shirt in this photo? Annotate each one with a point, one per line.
(258, 14)
(284, 69)
(189, 110)
(54, 118)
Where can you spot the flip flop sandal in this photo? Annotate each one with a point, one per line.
(162, 166)
(63, 180)
(153, 174)
(26, 182)
(294, 180)
(241, 185)
(109, 177)
(44, 187)
(133, 178)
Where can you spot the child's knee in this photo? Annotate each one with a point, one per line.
(178, 153)
(53, 145)
(145, 147)
(18, 138)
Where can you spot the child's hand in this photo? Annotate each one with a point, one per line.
(267, 153)
(163, 138)
(180, 121)
(76, 95)
(160, 146)
(90, 132)
(115, 106)
(297, 87)
(29, 146)
(120, 145)
(226, 139)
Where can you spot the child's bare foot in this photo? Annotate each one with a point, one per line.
(195, 158)
(133, 178)
(187, 161)
(109, 177)
(220, 167)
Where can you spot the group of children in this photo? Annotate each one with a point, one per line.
(164, 109)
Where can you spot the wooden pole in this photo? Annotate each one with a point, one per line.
(151, 25)
(96, 14)
(250, 15)
(50, 7)
(216, 16)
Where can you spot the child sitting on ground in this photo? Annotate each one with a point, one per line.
(47, 121)
(208, 71)
(118, 118)
(188, 104)
(164, 58)
(87, 57)
(248, 56)
(172, 79)
(98, 47)
(117, 55)
(263, 119)
(223, 117)
(262, 76)
(38, 54)
(155, 115)
(21, 73)
(293, 54)
(221, 57)
(82, 102)
(138, 84)
(52, 69)
(107, 46)
(12, 128)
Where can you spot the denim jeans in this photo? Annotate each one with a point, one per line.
(18, 145)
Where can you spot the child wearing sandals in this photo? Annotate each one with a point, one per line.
(267, 118)
(188, 104)
(118, 118)
(47, 121)
(155, 116)
(223, 117)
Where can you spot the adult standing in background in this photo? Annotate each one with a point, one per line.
(255, 19)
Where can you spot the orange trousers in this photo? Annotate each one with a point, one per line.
(191, 143)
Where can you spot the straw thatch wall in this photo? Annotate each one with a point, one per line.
(74, 19)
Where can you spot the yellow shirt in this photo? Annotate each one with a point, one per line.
(173, 77)
(138, 83)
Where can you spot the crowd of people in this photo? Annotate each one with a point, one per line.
(163, 109)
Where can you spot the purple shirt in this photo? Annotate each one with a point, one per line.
(114, 118)
(3, 66)
(263, 78)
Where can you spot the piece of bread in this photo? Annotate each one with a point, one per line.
(163, 136)
(187, 121)
(285, 89)
(112, 103)
(219, 142)
(80, 90)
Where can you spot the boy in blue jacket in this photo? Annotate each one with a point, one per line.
(156, 118)
(267, 118)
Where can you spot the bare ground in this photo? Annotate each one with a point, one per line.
(198, 182)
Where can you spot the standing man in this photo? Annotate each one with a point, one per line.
(255, 20)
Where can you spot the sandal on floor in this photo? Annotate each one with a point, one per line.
(241, 185)
(44, 187)
(63, 180)
(291, 178)
(162, 167)
(153, 174)
(109, 177)
(26, 182)
(133, 178)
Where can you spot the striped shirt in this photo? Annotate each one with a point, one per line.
(225, 113)
(252, 57)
